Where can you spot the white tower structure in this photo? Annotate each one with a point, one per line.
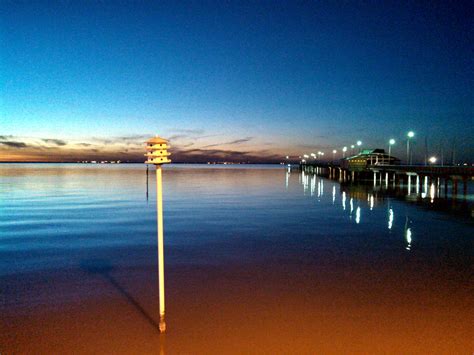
(157, 154)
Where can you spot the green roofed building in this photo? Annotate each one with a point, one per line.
(367, 158)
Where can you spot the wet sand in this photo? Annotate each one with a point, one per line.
(321, 304)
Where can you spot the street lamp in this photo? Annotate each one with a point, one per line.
(433, 160)
(157, 154)
(359, 143)
(352, 149)
(390, 143)
(410, 134)
(334, 154)
(344, 150)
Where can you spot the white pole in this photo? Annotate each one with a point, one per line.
(161, 266)
(408, 152)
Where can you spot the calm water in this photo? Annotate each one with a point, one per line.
(257, 260)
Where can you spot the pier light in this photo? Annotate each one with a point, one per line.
(157, 154)
(433, 160)
(344, 150)
(359, 143)
(390, 143)
(313, 155)
(306, 156)
(410, 134)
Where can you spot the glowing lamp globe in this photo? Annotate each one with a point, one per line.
(157, 151)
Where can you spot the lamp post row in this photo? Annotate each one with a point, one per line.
(391, 142)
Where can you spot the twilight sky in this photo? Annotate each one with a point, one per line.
(241, 81)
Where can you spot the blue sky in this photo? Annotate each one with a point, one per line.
(236, 80)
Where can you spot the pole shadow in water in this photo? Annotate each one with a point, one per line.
(103, 268)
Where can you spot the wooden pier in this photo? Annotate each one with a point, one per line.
(396, 174)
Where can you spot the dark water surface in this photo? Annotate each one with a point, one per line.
(257, 260)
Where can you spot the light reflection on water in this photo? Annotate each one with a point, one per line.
(239, 231)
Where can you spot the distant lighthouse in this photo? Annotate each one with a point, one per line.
(157, 154)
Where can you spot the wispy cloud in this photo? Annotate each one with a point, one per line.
(58, 142)
(178, 136)
(126, 148)
(234, 142)
(14, 144)
(188, 131)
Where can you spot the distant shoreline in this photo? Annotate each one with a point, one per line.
(134, 162)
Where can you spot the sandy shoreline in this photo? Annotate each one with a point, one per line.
(236, 310)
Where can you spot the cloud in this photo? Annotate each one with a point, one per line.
(133, 137)
(57, 142)
(178, 136)
(14, 144)
(188, 131)
(237, 141)
(223, 155)
(84, 144)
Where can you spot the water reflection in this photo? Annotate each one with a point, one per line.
(427, 195)
(390, 218)
(408, 234)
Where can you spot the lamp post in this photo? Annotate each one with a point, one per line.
(359, 143)
(390, 143)
(157, 155)
(410, 134)
(344, 150)
(432, 160)
(352, 149)
(334, 155)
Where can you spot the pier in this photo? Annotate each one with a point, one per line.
(411, 175)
